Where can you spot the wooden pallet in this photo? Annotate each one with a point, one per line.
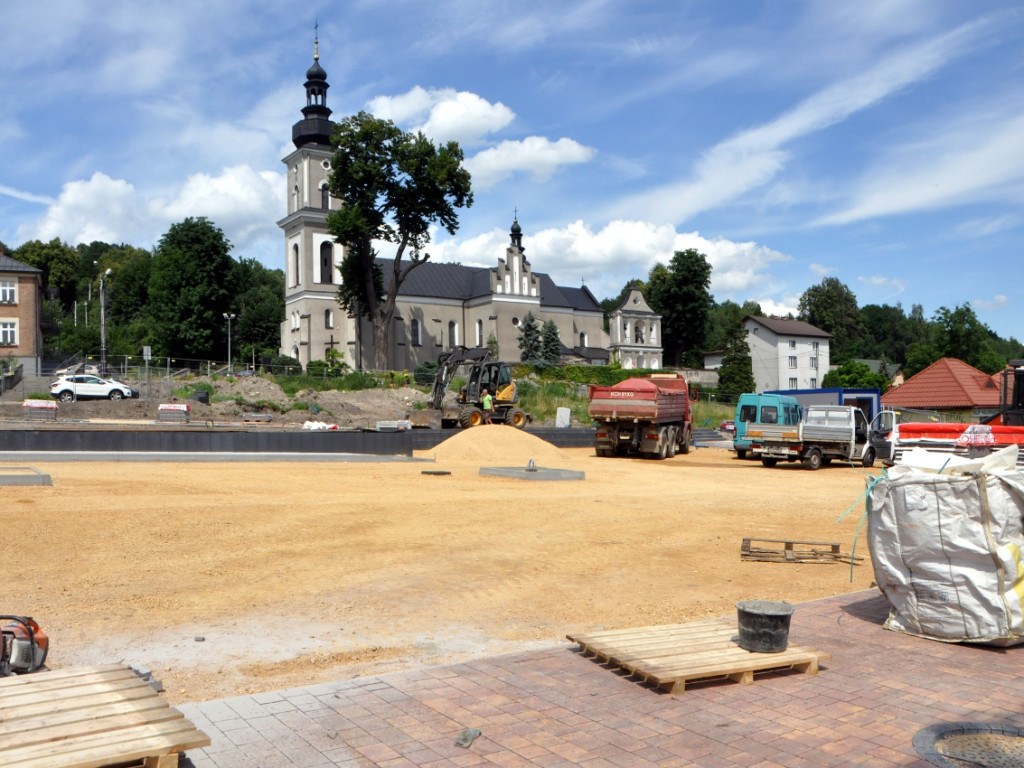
(89, 717)
(793, 551)
(672, 655)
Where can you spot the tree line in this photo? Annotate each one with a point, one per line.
(172, 298)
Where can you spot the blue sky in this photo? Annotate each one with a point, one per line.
(878, 141)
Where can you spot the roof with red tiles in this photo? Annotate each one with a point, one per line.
(946, 383)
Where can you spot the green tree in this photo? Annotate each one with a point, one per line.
(832, 307)
(530, 343)
(395, 186)
(919, 356)
(723, 317)
(190, 289)
(57, 260)
(966, 338)
(551, 344)
(259, 305)
(736, 375)
(492, 346)
(854, 374)
(680, 295)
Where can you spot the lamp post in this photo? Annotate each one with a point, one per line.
(103, 323)
(229, 316)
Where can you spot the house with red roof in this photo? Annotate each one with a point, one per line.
(960, 392)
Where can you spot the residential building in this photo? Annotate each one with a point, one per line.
(958, 391)
(21, 335)
(786, 354)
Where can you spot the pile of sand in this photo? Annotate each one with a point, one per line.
(496, 445)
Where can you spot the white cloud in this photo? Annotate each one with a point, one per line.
(984, 227)
(622, 250)
(820, 270)
(100, 208)
(996, 302)
(444, 114)
(536, 155)
(244, 203)
(979, 158)
(771, 307)
(753, 157)
(27, 197)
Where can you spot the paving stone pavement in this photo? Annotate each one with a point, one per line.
(556, 707)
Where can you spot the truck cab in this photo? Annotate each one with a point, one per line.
(752, 408)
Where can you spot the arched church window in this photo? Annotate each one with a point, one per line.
(326, 262)
(415, 335)
(453, 334)
(295, 265)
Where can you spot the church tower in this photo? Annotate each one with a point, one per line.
(314, 321)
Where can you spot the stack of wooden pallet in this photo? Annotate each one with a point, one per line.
(87, 717)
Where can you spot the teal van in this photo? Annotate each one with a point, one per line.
(763, 409)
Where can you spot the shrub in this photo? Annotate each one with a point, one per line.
(425, 372)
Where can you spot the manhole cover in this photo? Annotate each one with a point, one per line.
(971, 745)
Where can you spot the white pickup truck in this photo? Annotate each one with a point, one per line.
(826, 433)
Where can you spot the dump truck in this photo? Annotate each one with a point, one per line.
(826, 433)
(468, 411)
(652, 416)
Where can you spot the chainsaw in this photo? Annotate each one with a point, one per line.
(23, 646)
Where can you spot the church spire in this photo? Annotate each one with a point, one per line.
(316, 125)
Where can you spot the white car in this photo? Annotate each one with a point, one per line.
(87, 387)
(92, 370)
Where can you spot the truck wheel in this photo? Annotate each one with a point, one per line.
(684, 446)
(869, 458)
(516, 417)
(605, 453)
(673, 442)
(813, 459)
(471, 417)
(741, 454)
(769, 461)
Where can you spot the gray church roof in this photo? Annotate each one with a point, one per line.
(454, 281)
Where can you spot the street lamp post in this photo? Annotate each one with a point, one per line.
(103, 323)
(229, 316)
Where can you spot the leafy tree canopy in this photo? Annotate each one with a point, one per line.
(190, 289)
(551, 344)
(855, 375)
(680, 294)
(395, 185)
(832, 307)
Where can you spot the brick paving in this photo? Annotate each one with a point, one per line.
(556, 707)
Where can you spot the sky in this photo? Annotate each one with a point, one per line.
(879, 142)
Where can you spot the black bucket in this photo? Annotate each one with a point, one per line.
(764, 625)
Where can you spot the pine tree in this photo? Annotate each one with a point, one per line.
(736, 375)
(551, 344)
(530, 344)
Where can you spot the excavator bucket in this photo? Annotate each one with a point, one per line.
(428, 418)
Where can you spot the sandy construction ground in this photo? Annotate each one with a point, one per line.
(236, 578)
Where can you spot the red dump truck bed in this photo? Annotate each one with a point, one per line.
(660, 398)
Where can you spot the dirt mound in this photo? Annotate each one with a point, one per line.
(496, 445)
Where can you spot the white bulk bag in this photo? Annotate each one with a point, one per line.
(946, 551)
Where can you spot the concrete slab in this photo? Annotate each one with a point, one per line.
(23, 476)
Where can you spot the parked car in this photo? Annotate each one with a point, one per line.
(92, 370)
(87, 387)
(728, 427)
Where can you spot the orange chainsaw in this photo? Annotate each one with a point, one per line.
(23, 646)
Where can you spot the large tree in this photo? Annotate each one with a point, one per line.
(551, 343)
(966, 338)
(832, 307)
(736, 375)
(190, 290)
(679, 293)
(394, 185)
